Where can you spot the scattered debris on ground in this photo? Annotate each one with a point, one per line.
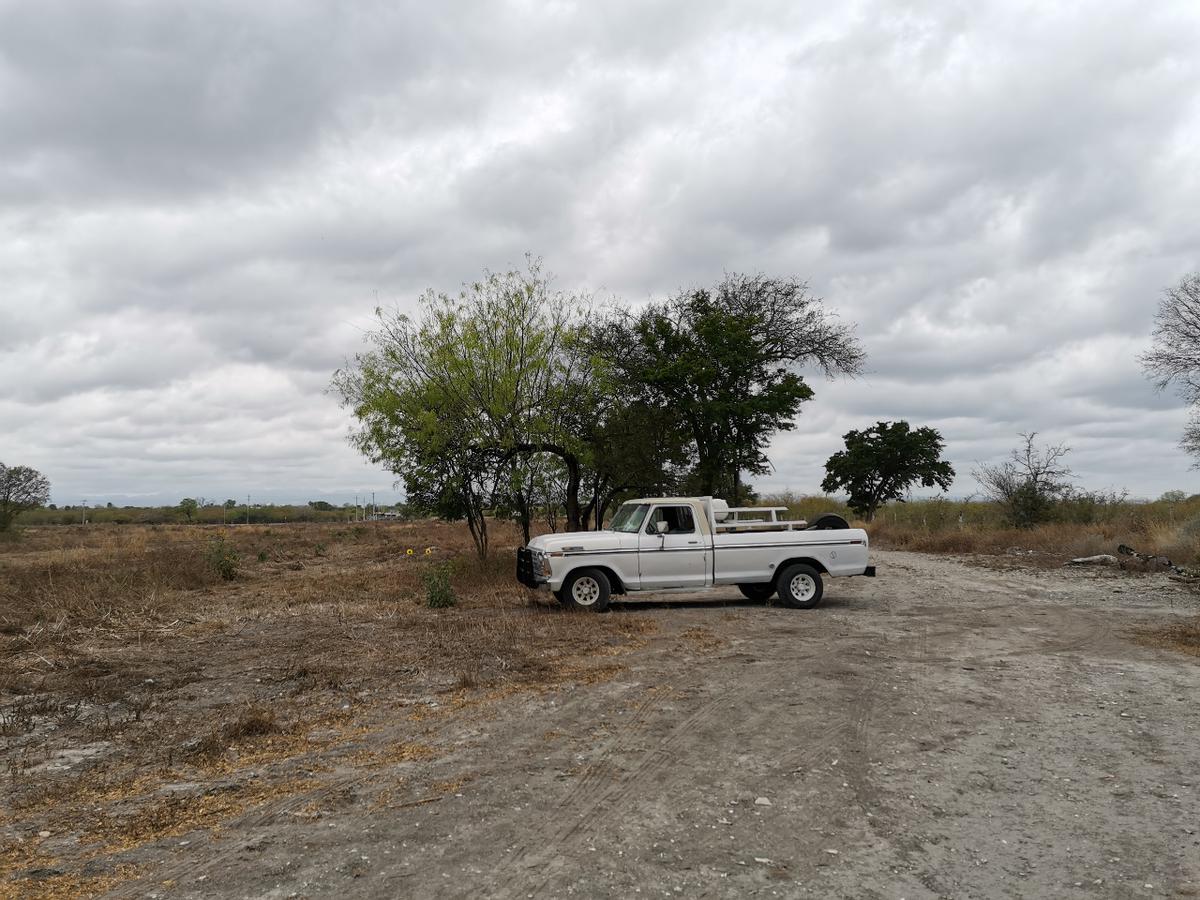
(1100, 559)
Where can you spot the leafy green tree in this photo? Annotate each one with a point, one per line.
(188, 507)
(883, 462)
(321, 505)
(727, 362)
(634, 448)
(449, 400)
(21, 488)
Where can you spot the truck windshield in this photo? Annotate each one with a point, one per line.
(629, 517)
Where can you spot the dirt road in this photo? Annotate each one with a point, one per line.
(945, 730)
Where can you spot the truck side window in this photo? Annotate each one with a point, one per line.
(679, 519)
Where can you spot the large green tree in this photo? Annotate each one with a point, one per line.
(633, 448)
(728, 363)
(21, 488)
(883, 462)
(453, 399)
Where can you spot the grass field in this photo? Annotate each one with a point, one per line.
(130, 664)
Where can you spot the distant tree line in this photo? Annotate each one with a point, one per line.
(208, 513)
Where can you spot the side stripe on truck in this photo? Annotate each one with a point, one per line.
(711, 547)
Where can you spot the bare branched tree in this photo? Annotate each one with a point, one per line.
(1029, 482)
(1174, 358)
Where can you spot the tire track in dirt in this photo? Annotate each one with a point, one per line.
(191, 870)
(592, 779)
(584, 806)
(602, 802)
(577, 809)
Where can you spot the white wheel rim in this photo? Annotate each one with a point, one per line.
(585, 591)
(803, 587)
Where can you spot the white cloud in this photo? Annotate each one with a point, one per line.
(202, 204)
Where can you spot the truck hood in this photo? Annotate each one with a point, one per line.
(583, 540)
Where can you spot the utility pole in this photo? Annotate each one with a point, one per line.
(83, 513)
(247, 509)
(374, 509)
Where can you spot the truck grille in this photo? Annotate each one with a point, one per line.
(525, 568)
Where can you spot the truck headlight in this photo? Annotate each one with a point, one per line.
(541, 563)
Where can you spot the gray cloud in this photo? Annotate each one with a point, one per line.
(201, 205)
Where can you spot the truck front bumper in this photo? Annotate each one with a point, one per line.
(525, 572)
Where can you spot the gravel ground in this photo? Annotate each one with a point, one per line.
(944, 730)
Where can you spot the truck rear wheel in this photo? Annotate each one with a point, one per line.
(757, 591)
(800, 586)
(586, 589)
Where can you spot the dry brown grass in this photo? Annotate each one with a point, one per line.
(701, 639)
(156, 818)
(49, 882)
(127, 663)
(1183, 637)
(1052, 544)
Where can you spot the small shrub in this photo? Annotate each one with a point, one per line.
(263, 556)
(439, 594)
(254, 720)
(223, 558)
(321, 549)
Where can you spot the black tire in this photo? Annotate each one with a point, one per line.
(757, 591)
(586, 589)
(828, 522)
(800, 586)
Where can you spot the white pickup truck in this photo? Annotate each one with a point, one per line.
(695, 542)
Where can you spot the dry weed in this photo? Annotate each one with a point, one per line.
(1053, 544)
(701, 639)
(1183, 637)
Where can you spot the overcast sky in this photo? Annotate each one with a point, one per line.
(201, 203)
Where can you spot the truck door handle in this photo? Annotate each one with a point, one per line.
(693, 542)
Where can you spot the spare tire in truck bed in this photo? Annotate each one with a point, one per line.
(828, 522)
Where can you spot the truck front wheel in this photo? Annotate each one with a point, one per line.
(800, 586)
(586, 589)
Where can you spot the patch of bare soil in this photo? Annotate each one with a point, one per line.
(943, 730)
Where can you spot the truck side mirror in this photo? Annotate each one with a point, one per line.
(661, 528)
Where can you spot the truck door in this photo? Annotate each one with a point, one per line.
(676, 557)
